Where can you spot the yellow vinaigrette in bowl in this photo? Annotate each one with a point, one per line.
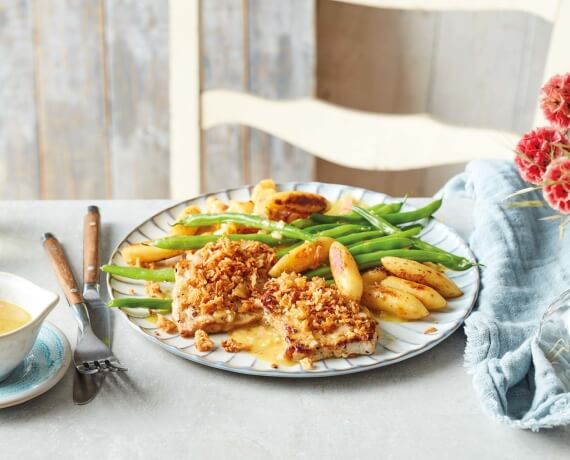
(12, 317)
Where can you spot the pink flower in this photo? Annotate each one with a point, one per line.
(536, 150)
(556, 188)
(555, 100)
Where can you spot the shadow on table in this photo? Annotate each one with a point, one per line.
(59, 398)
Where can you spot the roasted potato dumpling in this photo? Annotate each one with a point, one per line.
(141, 253)
(245, 207)
(260, 194)
(427, 295)
(394, 302)
(309, 255)
(215, 206)
(181, 229)
(291, 205)
(261, 189)
(420, 273)
(345, 271)
(376, 275)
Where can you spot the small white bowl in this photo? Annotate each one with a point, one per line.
(15, 345)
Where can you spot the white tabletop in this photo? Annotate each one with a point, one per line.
(422, 408)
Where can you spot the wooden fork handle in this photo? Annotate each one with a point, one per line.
(62, 269)
(91, 235)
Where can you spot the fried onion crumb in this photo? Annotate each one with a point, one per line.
(166, 324)
(274, 366)
(430, 330)
(202, 341)
(153, 289)
(233, 346)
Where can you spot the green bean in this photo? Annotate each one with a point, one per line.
(287, 249)
(376, 221)
(336, 219)
(358, 237)
(411, 216)
(247, 220)
(422, 245)
(379, 244)
(319, 228)
(377, 236)
(418, 227)
(390, 208)
(198, 241)
(419, 244)
(341, 230)
(302, 223)
(334, 232)
(142, 302)
(448, 260)
(324, 271)
(411, 230)
(137, 273)
(373, 259)
(352, 217)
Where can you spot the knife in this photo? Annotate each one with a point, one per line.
(86, 387)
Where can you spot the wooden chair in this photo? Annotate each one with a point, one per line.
(347, 137)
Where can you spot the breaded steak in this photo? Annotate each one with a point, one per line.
(316, 321)
(215, 286)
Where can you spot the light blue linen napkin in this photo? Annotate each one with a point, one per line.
(527, 266)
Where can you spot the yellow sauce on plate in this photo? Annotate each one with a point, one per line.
(12, 317)
(264, 342)
(152, 318)
(383, 316)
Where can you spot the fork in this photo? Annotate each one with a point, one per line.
(91, 355)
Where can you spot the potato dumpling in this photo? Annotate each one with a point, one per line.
(345, 271)
(427, 295)
(215, 206)
(309, 255)
(142, 253)
(393, 302)
(291, 205)
(181, 229)
(376, 275)
(244, 207)
(261, 189)
(260, 194)
(420, 273)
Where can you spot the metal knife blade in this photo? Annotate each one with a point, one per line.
(86, 387)
(99, 314)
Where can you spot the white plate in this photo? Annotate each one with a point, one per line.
(44, 366)
(398, 341)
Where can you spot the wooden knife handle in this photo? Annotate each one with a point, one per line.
(62, 269)
(91, 232)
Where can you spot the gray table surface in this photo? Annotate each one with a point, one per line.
(423, 408)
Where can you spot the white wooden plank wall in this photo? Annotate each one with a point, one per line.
(137, 50)
(224, 61)
(19, 163)
(84, 86)
(84, 99)
(70, 97)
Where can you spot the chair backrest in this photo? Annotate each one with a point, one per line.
(343, 136)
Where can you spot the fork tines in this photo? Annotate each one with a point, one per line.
(102, 365)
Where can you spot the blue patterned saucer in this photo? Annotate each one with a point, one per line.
(41, 369)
